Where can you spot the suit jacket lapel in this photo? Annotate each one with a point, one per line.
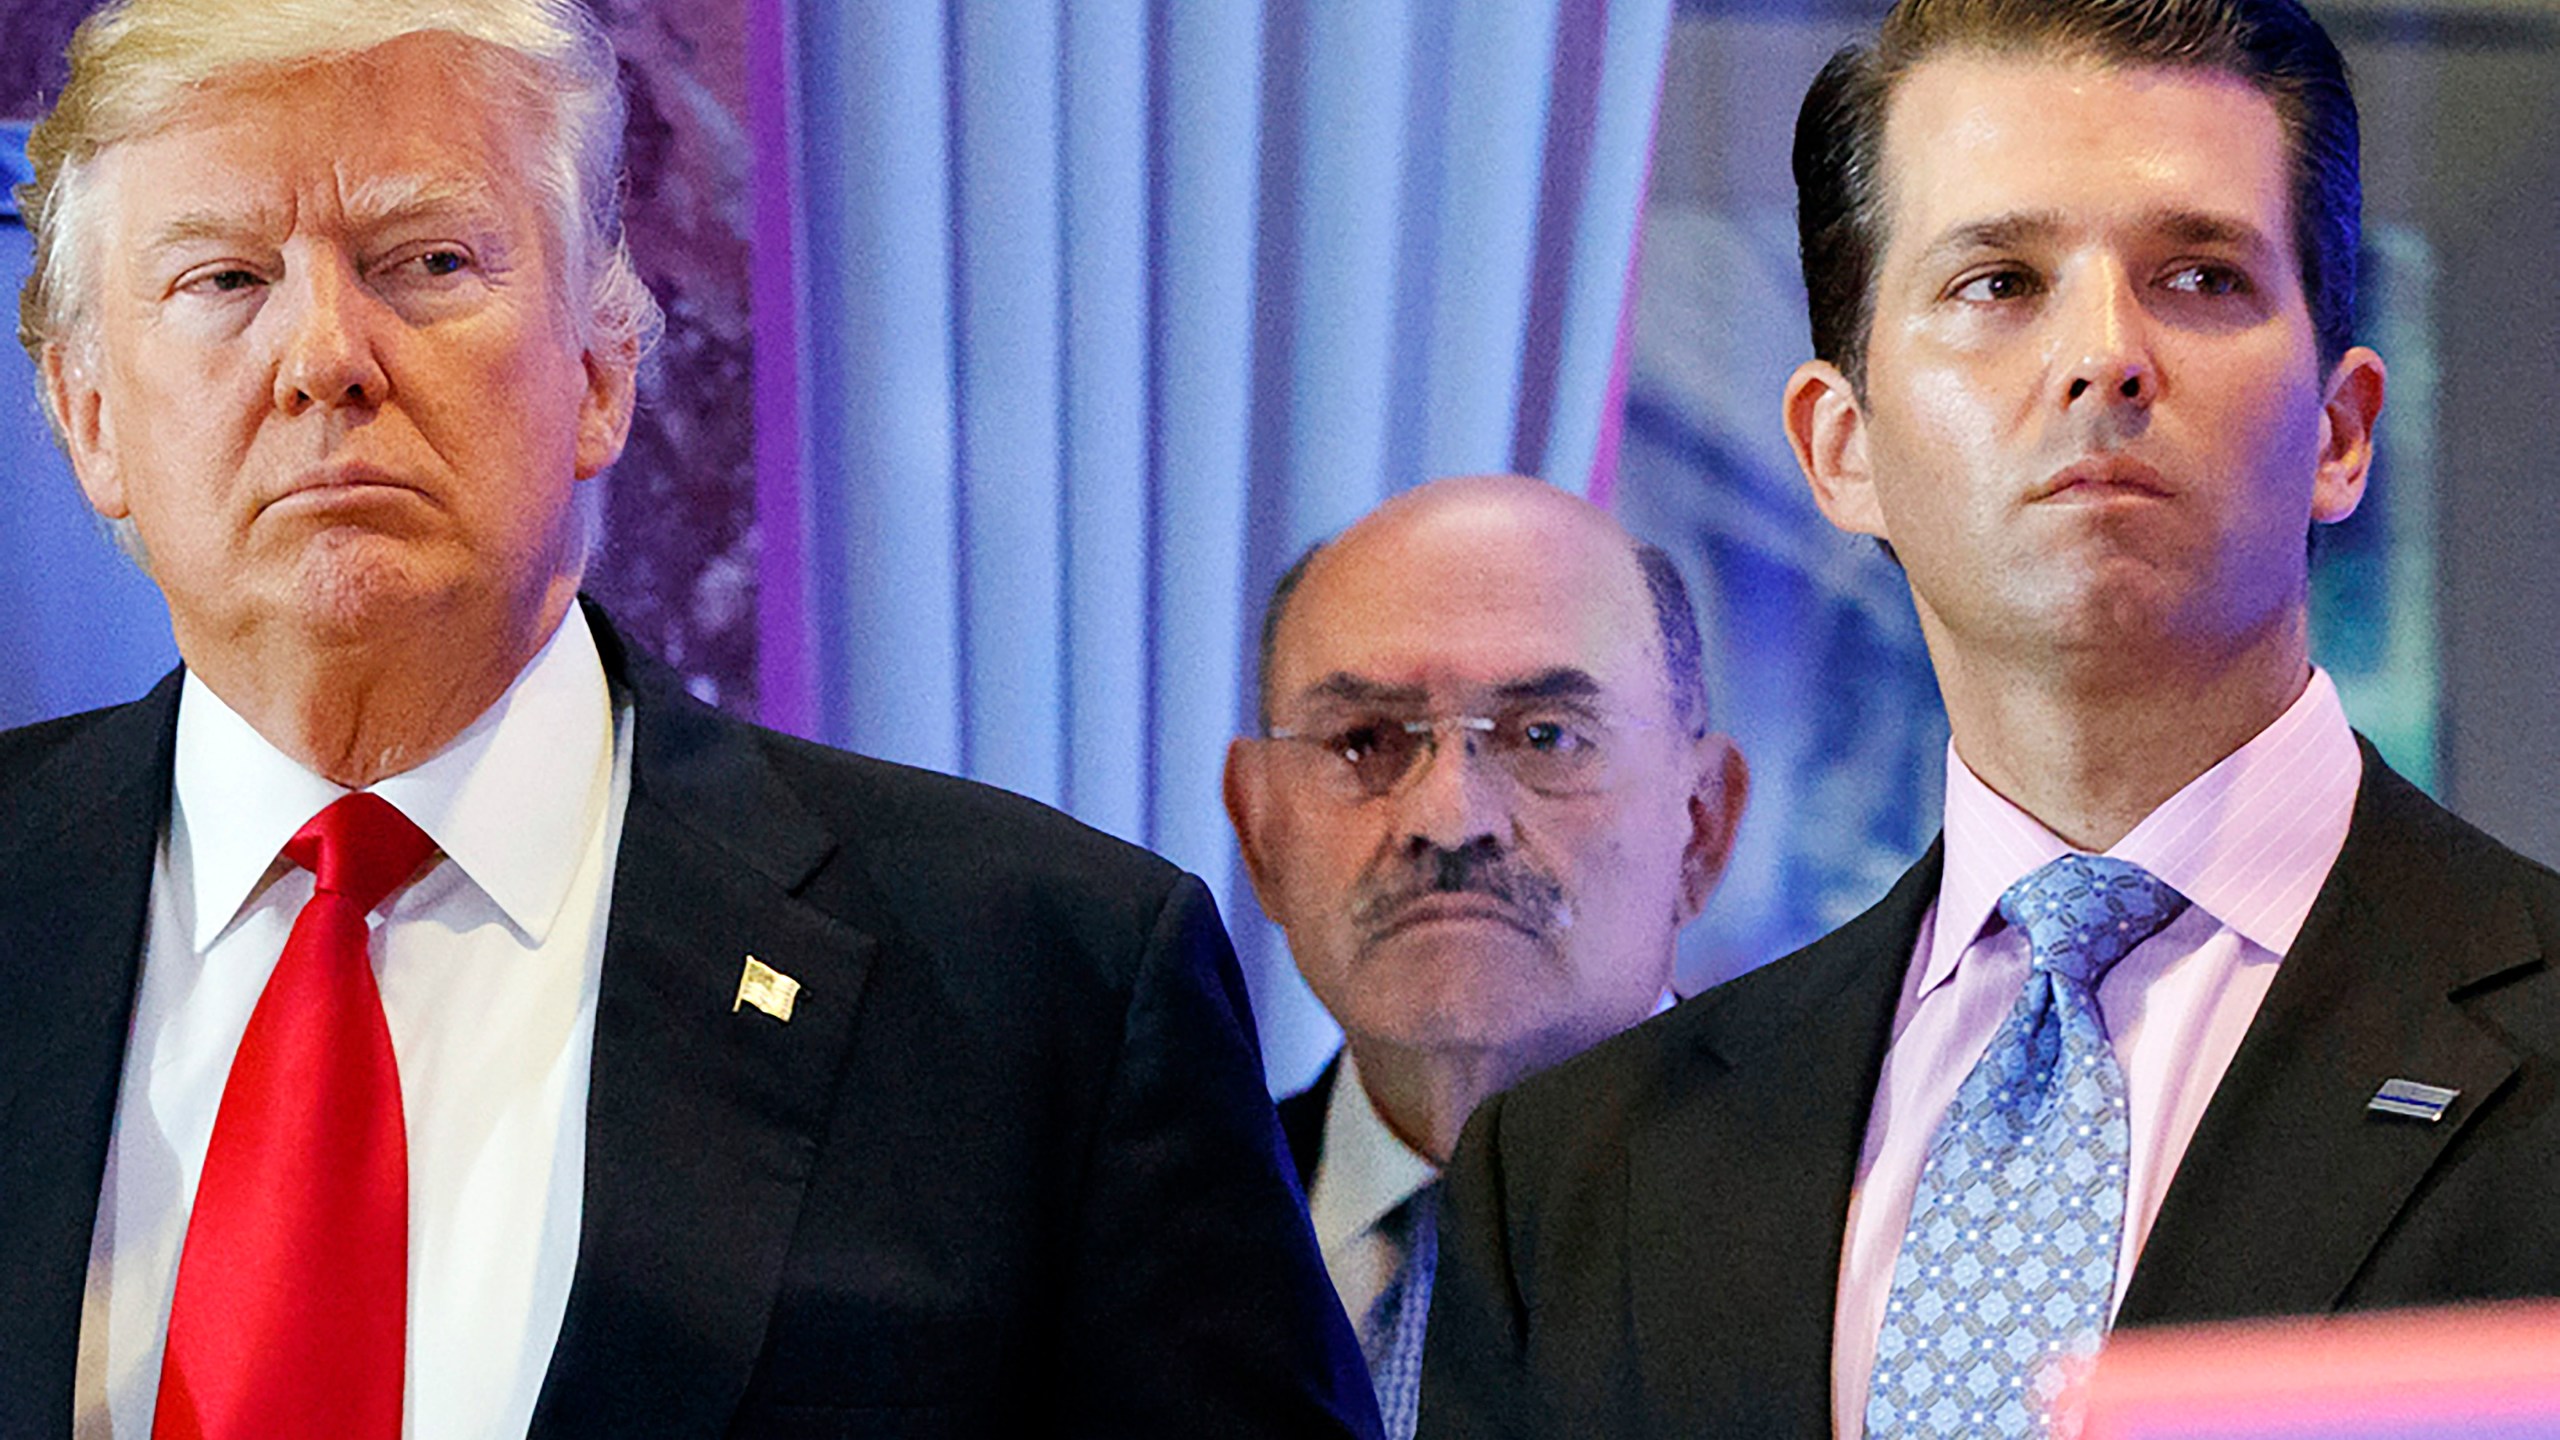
(78, 890)
(1763, 1136)
(702, 1116)
(2287, 1150)
(1302, 1122)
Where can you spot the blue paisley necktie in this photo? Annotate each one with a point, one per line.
(1391, 1333)
(2010, 1258)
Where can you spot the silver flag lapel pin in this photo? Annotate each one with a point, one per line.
(2410, 1098)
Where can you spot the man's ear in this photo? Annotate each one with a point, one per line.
(1716, 798)
(1247, 789)
(2347, 418)
(604, 412)
(1828, 429)
(78, 410)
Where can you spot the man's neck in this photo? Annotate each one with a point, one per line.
(1425, 1097)
(356, 710)
(2090, 750)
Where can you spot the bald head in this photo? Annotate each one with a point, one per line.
(1483, 801)
(1452, 512)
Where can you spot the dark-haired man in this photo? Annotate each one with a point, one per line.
(2197, 1009)
(1484, 801)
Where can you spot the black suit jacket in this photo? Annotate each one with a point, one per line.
(1302, 1121)
(1008, 1170)
(1646, 1240)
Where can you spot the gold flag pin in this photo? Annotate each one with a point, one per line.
(767, 989)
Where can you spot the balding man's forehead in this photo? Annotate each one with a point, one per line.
(1465, 584)
(1386, 622)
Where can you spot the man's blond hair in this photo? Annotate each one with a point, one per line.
(136, 63)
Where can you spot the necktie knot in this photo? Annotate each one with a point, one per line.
(360, 849)
(2083, 913)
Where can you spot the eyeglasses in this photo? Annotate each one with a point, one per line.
(1366, 757)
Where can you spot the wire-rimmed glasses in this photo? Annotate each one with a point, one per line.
(1366, 756)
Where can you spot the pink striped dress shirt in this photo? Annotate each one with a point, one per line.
(2249, 842)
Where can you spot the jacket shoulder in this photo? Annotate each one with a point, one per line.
(61, 769)
(2404, 847)
(983, 881)
(1850, 977)
(941, 830)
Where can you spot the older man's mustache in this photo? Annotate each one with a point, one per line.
(1535, 901)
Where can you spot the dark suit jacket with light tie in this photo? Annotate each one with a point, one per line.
(1009, 1170)
(1646, 1240)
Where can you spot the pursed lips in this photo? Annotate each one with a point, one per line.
(2103, 477)
(337, 483)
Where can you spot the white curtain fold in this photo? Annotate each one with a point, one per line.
(1107, 310)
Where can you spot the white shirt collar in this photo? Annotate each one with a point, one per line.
(1363, 1171)
(509, 801)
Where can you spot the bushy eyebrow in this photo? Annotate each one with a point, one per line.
(1560, 682)
(1563, 682)
(2000, 232)
(374, 205)
(1349, 689)
(396, 199)
(2025, 228)
(2194, 227)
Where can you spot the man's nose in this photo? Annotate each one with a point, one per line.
(2106, 343)
(328, 355)
(1460, 797)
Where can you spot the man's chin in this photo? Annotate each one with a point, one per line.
(349, 588)
(1445, 984)
(366, 591)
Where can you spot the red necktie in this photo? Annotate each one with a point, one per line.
(293, 1290)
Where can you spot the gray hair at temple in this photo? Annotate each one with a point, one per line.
(136, 62)
(1683, 655)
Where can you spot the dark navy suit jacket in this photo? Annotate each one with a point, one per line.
(1008, 1170)
(1645, 1241)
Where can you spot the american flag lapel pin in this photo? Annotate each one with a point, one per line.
(2413, 1099)
(767, 989)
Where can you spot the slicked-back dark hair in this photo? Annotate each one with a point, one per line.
(2275, 45)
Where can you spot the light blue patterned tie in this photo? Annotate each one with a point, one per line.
(1391, 1333)
(2010, 1258)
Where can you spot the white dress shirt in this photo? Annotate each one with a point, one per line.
(488, 965)
(2249, 842)
(1363, 1172)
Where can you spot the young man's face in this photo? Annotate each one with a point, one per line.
(2094, 425)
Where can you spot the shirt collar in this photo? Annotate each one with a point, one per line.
(1363, 1172)
(2248, 842)
(510, 801)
